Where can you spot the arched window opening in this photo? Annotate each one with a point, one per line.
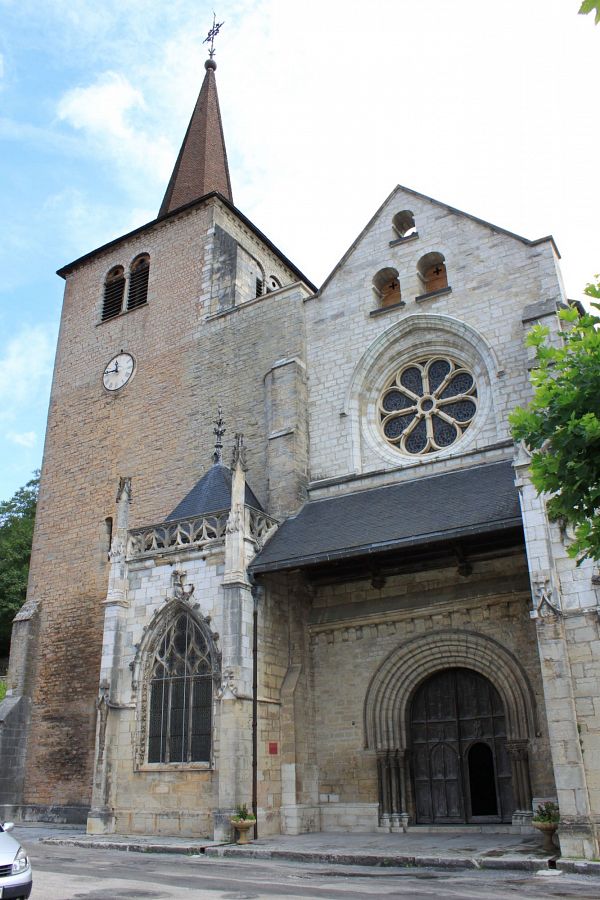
(114, 288)
(386, 285)
(138, 282)
(272, 284)
(257, 275)
(432, 272)
(181, 685)
(403, 224)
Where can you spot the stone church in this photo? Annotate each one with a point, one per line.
(286, 552)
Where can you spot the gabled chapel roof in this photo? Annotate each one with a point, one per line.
(211, 494)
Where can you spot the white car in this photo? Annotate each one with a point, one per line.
(15, 870)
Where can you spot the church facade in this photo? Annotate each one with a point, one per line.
(287, 554)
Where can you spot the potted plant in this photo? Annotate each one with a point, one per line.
(243, 821)
(546, 819)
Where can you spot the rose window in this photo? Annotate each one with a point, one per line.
(427, 405)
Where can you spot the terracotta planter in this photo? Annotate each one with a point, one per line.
(243, 826)
(548, 830)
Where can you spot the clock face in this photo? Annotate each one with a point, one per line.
(118, 371)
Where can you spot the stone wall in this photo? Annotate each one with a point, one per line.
(158, 430)
(351, 352)
(355, 627)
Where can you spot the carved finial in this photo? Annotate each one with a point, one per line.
(124, 489)
(219, 430)
(239, 453)
(210, 39)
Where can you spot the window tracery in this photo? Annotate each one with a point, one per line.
(427, 405)
(180, 680)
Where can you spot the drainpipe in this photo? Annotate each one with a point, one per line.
(255, 591)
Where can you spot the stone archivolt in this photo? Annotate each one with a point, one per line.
(393, 685)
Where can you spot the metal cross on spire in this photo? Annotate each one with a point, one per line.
(210, 37)
(219, 430)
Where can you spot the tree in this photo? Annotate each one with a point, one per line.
(17, 517)
(561, 425)
(589, 6)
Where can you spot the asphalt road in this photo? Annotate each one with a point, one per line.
(79, 873)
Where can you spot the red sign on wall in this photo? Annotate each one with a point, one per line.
(272, 748)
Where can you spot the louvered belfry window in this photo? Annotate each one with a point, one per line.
(180, 714)
(114, 288)
(138, 282)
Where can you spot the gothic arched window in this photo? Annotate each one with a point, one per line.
(181, 677)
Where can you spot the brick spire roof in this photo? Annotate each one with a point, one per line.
(201, 166)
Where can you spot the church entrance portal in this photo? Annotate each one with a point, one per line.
(460, 767)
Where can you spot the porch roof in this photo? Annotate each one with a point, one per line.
(423, 511)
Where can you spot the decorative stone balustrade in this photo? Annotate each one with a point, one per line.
(178, 535)
(260, 526)
(195, 533)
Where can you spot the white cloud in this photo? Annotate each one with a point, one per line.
(101, 106)
(105, 112)
(25, 372)
(22, 439)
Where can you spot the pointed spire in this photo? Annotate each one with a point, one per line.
(201, 166)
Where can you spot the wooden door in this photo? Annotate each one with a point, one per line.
(460, 767)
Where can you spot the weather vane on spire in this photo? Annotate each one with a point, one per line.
(210, 37)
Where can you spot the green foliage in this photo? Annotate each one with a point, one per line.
(17, 517)
(242, 814)
(561, 426)
(547, 812)
(2, 690)
(589, 6)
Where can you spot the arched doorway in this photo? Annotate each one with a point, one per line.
(459, 762)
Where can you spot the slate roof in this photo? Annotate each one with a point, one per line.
(418, 512)
(210, 494)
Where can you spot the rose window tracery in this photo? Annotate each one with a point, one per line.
(427, 405)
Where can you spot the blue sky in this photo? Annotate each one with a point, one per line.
(326, 106)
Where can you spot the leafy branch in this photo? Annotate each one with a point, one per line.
(561, 425)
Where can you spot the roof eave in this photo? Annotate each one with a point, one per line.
(384, 546)
(70, 267)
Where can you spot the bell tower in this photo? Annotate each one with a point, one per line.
(160, 326)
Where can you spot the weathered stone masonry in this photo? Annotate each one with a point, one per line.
(291, 605)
